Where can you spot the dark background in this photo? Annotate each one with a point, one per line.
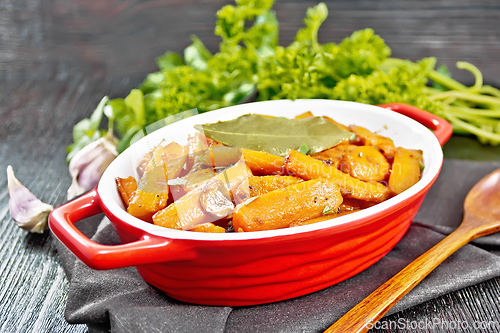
(47, 39)
(58, 58)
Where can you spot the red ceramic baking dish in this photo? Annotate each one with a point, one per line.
(236, 269)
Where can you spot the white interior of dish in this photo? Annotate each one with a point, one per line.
(404, 131)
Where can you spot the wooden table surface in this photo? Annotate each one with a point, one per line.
(59, 57)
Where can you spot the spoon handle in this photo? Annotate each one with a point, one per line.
(364, 315)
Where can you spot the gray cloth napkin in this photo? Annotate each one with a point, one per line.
(120, 300)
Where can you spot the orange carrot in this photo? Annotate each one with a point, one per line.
(335, 154)
(259, 185)
(304, 115)
(126, 188)
(208, 227)
(172, 155)
(309, 168)
(406, 170)
(382, 143)
(295, 203)
(322, 218)
(263, 163)
(205, 203)
(365, 163)
(151, 194)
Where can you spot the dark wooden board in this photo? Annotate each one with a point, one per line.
(58, 58)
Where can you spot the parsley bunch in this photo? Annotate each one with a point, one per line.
(250, 61)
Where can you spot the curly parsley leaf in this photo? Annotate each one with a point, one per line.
(360, 54)
(231, 22)
(315, 16)
(169, 60)
(197, 55)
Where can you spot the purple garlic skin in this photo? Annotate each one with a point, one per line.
(88, 165)
(25, 208)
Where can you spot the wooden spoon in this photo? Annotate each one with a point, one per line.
(481, 218)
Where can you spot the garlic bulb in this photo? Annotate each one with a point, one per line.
(88, 165)
(25, 208)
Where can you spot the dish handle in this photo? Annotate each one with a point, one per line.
(148, 249)
(442, 128)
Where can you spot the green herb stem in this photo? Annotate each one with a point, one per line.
(495, 138)
(446, 81)
(476, 112)
(489, 90)
(475, 71)
(480, 99)
(430, 91)
(459, 130)
(474, 118)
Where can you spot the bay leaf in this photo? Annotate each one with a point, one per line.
(275, 135)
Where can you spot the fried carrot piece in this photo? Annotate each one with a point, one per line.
(309, 168)
(197, 146)
(406, 170)
(190, 181)
(198, 142)
(261, 162)
(259, 185)
(335, 154)
(126, 188)
(184, 212)
(173, 155)
(221, 156)
(279, 208)
(304, 115)
(365, 163)
(321, 218)
(232, 177)
(151, 194)
(347, 207)
(208, 227)
(382, 143)
(206, 203)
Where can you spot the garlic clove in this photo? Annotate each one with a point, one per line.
(25, 208)
(88, 165)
